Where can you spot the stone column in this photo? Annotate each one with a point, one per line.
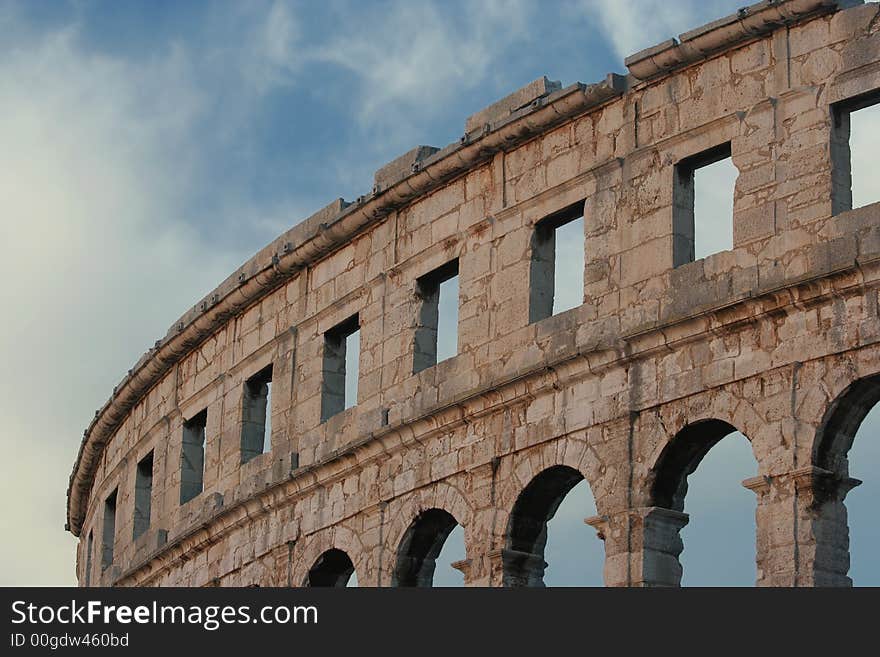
(493, 565)
(642, 546)
(514, 568)
(773, 542)
(413, 571)
(802, 532)
(464, 566)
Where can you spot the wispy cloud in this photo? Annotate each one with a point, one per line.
(101, 159)
(634, 25)
(414, 58)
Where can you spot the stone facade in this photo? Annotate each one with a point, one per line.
(778, 338)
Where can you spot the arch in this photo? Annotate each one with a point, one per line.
(841, 422)
(526, 535)
(680, 458)
(401, 512)
(701, 418)
(831, 481)
(310, 548)
(419, 547)
(518, 470)
(333, 568)
(667, 485)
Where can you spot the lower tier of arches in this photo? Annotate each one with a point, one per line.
(511, 475)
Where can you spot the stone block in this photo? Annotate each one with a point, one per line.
(506, 106)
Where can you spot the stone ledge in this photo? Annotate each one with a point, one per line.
(726, 33)
(400, 168)
(519, 99)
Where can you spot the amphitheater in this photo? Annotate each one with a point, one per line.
(234, 454)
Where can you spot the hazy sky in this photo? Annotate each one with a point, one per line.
(148, 148)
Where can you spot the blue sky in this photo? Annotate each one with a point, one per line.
(148, 148)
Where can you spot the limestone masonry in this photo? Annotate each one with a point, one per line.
(778, 338)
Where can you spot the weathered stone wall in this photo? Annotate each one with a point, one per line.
(768, 338)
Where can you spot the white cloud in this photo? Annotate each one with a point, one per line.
(100, 157)
(415, 57)
(259, 43)
(634, 25)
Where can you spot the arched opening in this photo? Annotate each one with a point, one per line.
(842, 422)
(700, 472)
(420, 548)
(332, 568)
(548, 520)
(452, 552)
(861, 502)
(848, 536)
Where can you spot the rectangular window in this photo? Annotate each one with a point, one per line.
(192, 457)
(90, 546)
(256, 419)
(436, 337)
(143, 494)
(855, 141)
(108, 535)
(557, 266)
(702, 205)
(341, 368)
